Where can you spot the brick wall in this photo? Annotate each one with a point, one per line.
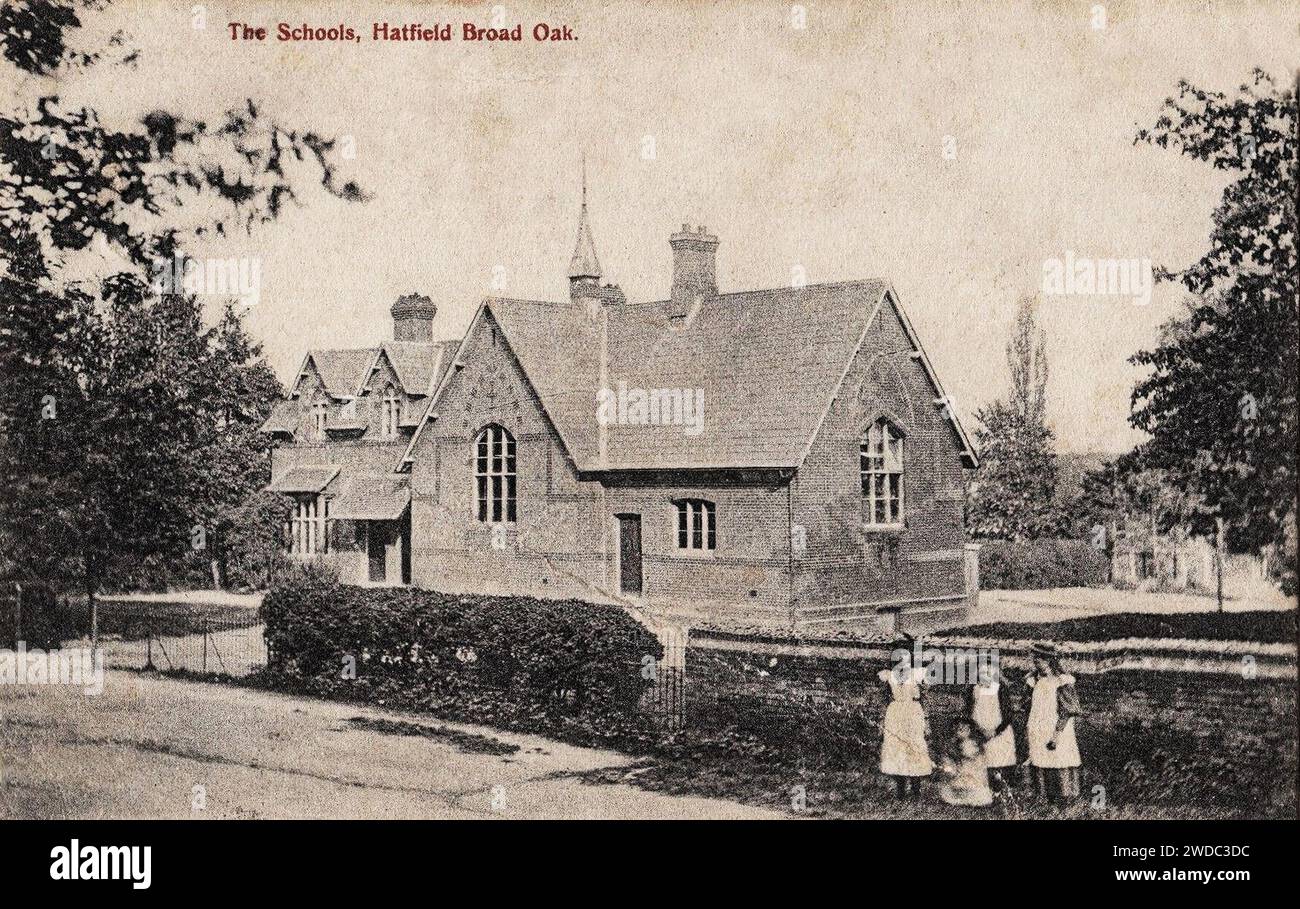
(566, 539)
(1215, 733)
(556, 547)
(843, 564)
(745, 582)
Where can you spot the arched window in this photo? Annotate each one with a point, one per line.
(494, 475)
(881, 464)
(390, 412)
(697, 524)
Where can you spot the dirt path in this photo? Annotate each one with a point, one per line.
(152, 747)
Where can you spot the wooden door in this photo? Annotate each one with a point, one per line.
(377, 552)
(629, 553)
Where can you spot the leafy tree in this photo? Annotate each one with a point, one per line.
(155, 411)
(40, 395)
(1127, 496)
(1220, 400)
(1012, 497)
(242, 521)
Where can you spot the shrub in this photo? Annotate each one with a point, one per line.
(44, 624)
(540, 665)
(1260, 626)
(1040, 564)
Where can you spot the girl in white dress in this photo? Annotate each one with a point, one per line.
(1053, 748)
(904, 753)
(991, 710)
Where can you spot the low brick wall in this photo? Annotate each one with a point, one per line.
(1212, 736)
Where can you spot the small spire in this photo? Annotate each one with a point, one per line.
(584, 266)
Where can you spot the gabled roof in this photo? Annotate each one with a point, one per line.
(768, 364)
(282, 418)
(338, 369)
(345, 371)
(418, 365)
(370, 496)
(304, 479)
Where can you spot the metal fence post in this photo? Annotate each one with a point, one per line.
(205, 645)
(148, 652)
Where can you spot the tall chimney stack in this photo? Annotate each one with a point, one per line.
(695, 268)
(413, 318)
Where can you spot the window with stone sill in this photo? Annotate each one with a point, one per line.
(697, 525)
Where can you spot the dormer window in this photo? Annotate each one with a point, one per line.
(319, 419)
(390, 412)
(880, 462)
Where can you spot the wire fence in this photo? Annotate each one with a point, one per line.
(229, 647)
(201, 637)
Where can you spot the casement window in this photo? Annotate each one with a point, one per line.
(494, 475)
(309, 525)
(390, 412)
(697, 525)
(319, 419)
(881, 465)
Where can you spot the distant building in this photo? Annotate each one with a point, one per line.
(779, 459)
(1179, 561)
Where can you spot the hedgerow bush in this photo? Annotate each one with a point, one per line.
(44, 624)
(559, 666)
(1040, 564)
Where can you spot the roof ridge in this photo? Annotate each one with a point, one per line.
(529, 302)
(855, 282)
(326, 350)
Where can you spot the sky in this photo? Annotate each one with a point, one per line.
(951, 148)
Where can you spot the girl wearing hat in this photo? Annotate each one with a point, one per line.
(904, 753)
(1053, 749)
(991, 710)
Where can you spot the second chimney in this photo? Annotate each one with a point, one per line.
(695, 268)
(413, 318)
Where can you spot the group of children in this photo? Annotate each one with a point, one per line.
(991, 739)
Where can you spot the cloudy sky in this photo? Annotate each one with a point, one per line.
(949, 147)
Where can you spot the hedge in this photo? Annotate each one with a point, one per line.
(558, 666)
(44, 624)
(1257, 626)
(1040, 564)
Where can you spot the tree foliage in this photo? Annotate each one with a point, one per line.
(129, 439)
(1220, 400)
(1013, 495)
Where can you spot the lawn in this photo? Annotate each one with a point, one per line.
(1260, 626)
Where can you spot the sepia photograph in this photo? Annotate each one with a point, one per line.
(874, 414)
